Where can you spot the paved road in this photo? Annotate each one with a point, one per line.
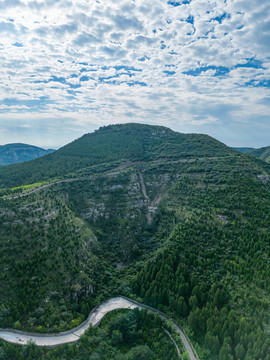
(19, 337)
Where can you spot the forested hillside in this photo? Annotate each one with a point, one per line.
(180, 222)
(130, 142)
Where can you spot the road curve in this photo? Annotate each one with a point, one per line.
(94, 318)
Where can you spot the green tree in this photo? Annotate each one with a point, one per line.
(212, 342)
(225, 352)
(117, 337)
(240, 352)
(140, 352)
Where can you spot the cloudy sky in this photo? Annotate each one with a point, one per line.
(70, 66)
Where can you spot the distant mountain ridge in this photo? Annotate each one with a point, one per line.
(18, 152)
(261, 153)
(244, 150)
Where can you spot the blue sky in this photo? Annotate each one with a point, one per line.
(69, 67)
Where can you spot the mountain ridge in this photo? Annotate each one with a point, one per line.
(127, 142)
(14, 153)
(261, 153)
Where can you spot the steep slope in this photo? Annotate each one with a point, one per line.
(129, 142)
(16, 153)
(47, 260)
(214, 268)
(183, 223)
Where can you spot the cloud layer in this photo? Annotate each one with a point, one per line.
(70, 66)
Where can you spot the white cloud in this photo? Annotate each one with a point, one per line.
(101, 63)
(26, 126)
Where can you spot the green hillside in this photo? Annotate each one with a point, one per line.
(16, 153)
(129, 142)
(179, 222)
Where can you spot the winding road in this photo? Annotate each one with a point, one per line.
(94, 318)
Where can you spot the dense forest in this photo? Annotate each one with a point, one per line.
(179, 222)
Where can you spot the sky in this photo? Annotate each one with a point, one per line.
(71, 66)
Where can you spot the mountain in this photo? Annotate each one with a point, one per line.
(177, 221)
(261, 153)
(16, 153)
(244, 149)
(116, 143)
